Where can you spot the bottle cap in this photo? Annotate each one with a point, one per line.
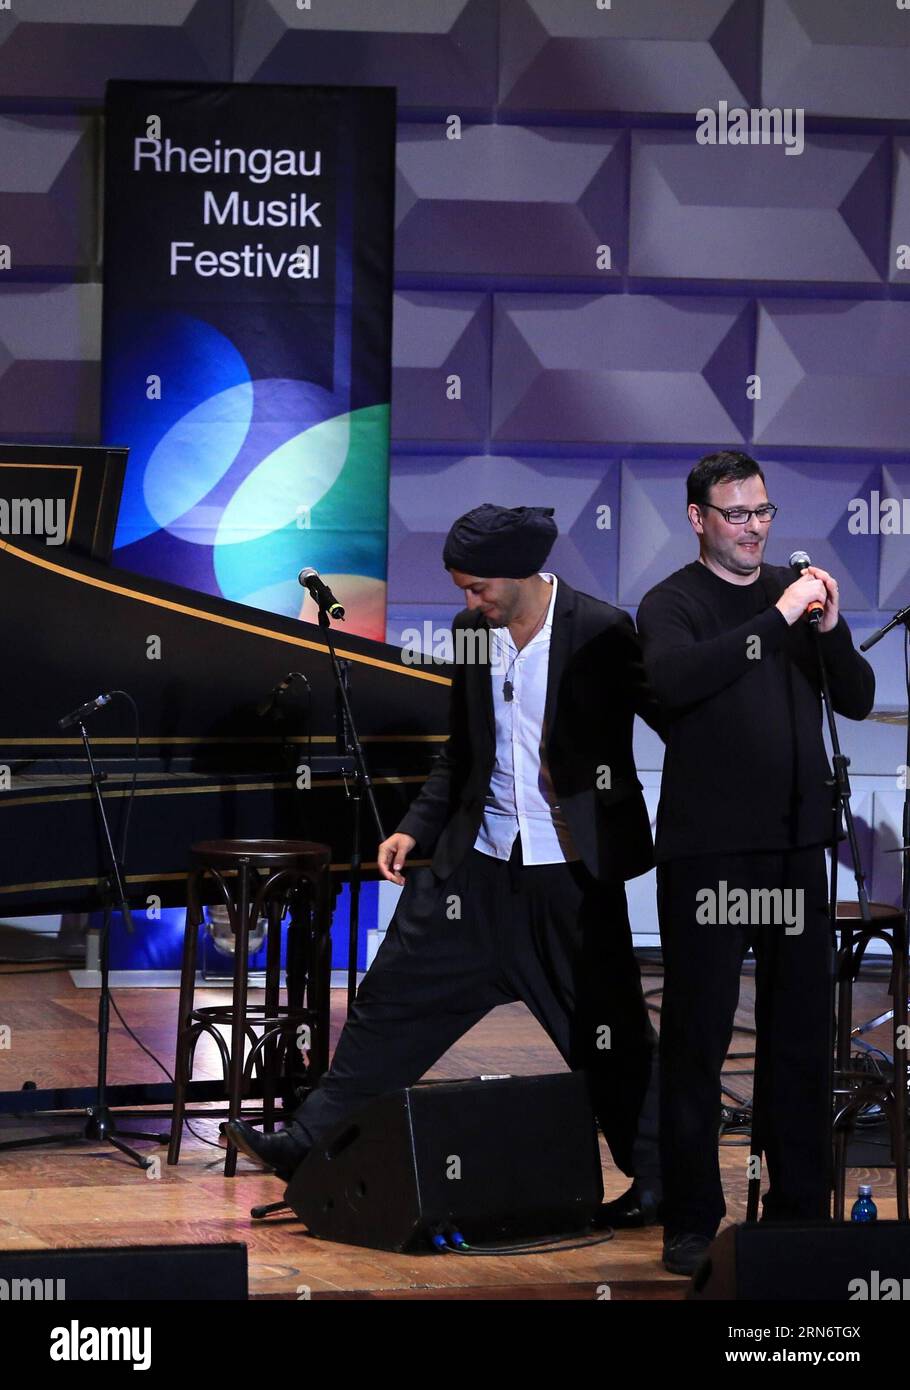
(864, 1190)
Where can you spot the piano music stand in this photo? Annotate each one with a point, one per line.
(100, 1122)
(350, 744)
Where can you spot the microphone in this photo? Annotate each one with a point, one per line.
(799, 561)
(323, 595)
(268, 704)
(76, 716)
(900, 616)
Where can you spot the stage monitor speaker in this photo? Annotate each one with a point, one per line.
(791, 1262)
(508, 1159)
(140, 1272)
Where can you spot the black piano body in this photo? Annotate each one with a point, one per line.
(210, 765)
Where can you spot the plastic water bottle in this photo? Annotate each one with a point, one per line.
(864, 1209)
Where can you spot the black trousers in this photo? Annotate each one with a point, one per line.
(794, 1035)
(492, 933)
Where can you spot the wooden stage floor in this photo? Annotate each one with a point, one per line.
(51, 1198)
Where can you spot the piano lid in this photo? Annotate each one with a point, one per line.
(197, 666)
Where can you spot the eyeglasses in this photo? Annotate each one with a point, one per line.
(738, 516)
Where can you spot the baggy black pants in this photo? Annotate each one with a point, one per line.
(492, 933)
(794, 1027)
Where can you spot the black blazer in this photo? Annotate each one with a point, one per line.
(595, 687)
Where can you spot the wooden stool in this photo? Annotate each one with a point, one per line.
(255, 878)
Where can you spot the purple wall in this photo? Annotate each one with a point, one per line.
(579, 380)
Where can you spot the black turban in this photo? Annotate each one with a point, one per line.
(500, 542)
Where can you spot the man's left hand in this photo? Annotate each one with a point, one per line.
(831, 610)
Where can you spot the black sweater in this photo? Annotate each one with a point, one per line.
(745, 766)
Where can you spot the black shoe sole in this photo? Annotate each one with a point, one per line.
(686, 1269)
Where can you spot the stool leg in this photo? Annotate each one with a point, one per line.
(272, 993)
(238, 1013)
(183, 1050)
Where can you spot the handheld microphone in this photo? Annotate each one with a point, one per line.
(799, 561)
(76, 716)
(323, 595)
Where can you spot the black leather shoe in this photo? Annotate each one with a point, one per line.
(280, 1151)
(684, 1253)
(637, 1207)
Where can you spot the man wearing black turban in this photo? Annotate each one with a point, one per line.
(534, 818)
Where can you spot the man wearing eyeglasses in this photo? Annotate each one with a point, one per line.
(745, 812)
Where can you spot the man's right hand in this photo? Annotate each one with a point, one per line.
(795, 599)
(393, 852)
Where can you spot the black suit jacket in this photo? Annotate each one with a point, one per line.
(595, 687)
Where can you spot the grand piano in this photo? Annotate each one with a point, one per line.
(217, 757)
(211, 763)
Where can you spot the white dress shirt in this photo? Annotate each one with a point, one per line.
(521, 800)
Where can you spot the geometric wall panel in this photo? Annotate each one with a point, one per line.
(68, 49)
(428, 493)
(509, 200)
(814, 501)
(47, 193)
(894, 577)
(601, 395)
(878, 744)
(833, 373)
(888, 810)
(616, 368)
(438, 53)
(862, 803)
(849, 58)
(50, 350)
(755, 213)
(437, 336)
(900, 214)
(402, 618)
(648, 56)
(588, 370)
(656, 537)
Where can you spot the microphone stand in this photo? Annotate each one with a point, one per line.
(100, 1123)
(361, 784)
(841, 812)
(348, 744)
